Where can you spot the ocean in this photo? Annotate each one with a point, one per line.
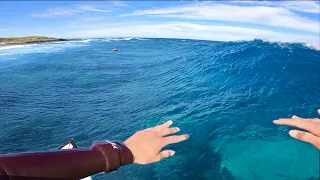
(224, 94)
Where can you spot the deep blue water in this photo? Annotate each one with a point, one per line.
(224, 94)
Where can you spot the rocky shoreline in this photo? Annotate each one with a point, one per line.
(28, 40)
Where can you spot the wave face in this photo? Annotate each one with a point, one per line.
(224, 94)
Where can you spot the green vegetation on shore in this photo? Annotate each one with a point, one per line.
(28, 39)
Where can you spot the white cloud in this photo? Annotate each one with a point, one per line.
(246, 13)
(260, 15)
(4, 29)
(118, 3)
(301, 6)
(71, 11)
(190, 31)
(90, 8)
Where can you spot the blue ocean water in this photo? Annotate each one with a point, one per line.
(224, 94)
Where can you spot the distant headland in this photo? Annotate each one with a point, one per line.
(27, 40)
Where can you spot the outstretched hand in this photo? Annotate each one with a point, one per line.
(310, 125)
(146, 145)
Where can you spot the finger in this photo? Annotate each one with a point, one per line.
(299, 123)
(295, 117)
(167, 131)
(306, 137)
(164, 125)
(174, 139)
(164, 154)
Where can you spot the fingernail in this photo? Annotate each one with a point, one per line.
(172, 153)
(293, 133)
(275, 121)
(178, 129)
(186, 136)
(170, 122)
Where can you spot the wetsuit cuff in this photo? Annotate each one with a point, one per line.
(126, 156)
(115, 154)
(110, 152)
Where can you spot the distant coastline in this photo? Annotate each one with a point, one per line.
(28, 40)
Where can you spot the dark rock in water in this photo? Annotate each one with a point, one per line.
(281, 175)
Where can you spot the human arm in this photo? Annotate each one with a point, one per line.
(142, 148)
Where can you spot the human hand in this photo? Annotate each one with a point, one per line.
(146, 145)
(311, 125)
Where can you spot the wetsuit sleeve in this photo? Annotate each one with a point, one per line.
(65, 164)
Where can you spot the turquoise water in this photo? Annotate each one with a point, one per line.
(224, 94)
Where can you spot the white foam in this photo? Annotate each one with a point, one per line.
(121, 39)
(13, 47)
(141, 39)
(115, 39)
(313, 46)
(284, 44)
(87, 40)
(38, 48)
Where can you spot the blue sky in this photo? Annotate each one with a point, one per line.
(285, 21)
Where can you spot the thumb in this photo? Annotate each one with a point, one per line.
(306, 137)
(164, 154)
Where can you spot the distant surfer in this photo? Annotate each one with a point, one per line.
(115, 50)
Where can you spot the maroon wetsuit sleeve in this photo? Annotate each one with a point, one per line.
(65, 164)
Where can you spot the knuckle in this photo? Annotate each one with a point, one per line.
(162, 142)
(298, 121)
(162, 132)
(171, 130)
(316, 143)
(301, 135)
